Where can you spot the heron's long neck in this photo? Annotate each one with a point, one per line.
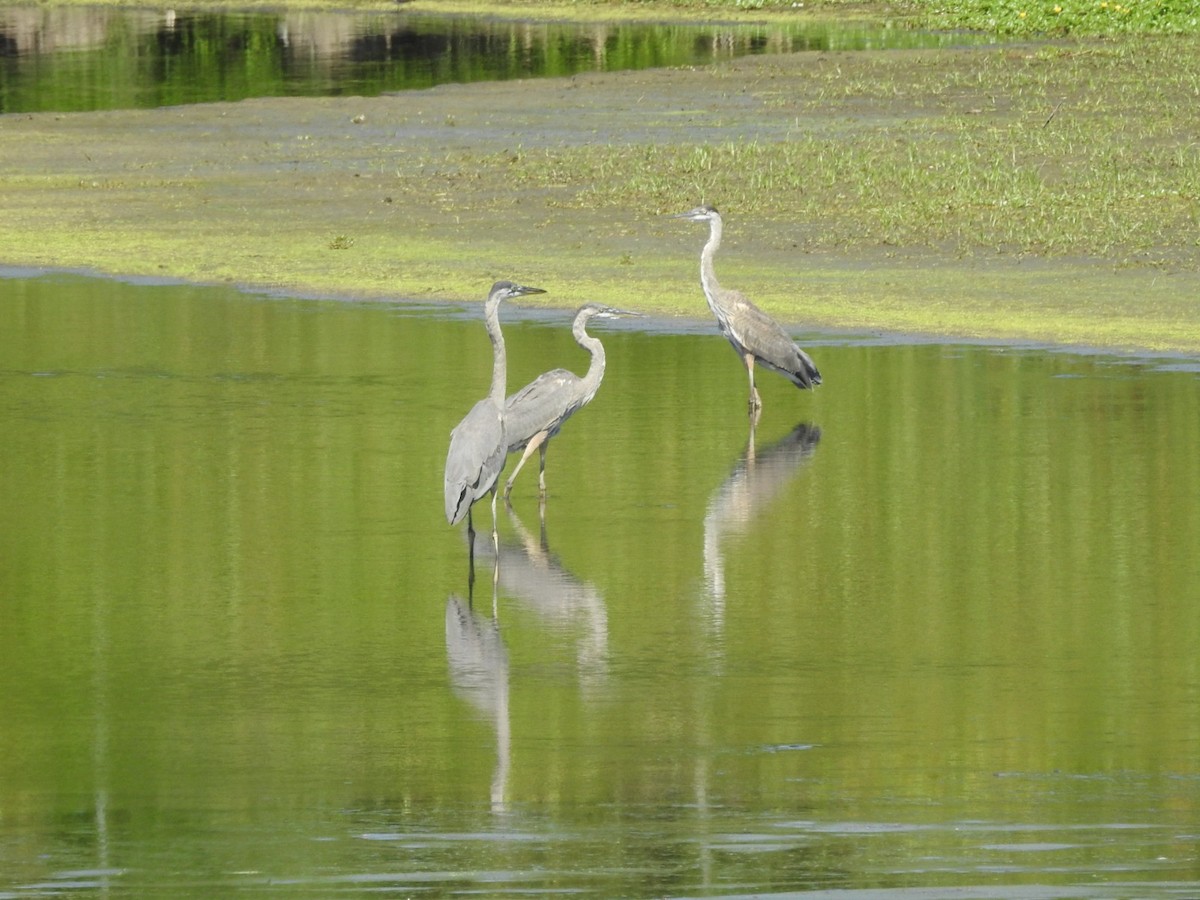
(595, 372)
(708, 276)
(499, 360)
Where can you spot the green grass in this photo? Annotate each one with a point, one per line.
(962, 193)
(1059, 17)
(1037, 152)
(1039, 192)
(1013, 17)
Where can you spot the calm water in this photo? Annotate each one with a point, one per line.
(81, 58)
(937, 638)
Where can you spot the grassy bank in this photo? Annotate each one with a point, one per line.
(1061, 17)
(1046, 192)
(1084, 151)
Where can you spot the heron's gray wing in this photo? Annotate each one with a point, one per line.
(765, 338)
(541, 405)
(476, 456)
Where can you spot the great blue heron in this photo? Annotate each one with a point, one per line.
(754, 335)
(535, 413)
(477, 444)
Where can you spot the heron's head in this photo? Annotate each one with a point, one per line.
(699, 214)
(599, 311)
(506, 290)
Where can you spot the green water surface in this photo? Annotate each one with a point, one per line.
(938, 631)
(94, 58)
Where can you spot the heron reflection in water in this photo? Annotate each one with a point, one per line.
(479, 675)
(475, 649)
(759, 477)
(534, 578)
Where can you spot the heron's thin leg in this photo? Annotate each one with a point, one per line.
(542, 471)
(495, 530)
(534, 443)
(496, 551)
(755, 400)
(470, 551)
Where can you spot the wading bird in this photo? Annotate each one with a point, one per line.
(477, 444)
(754, 335)
(535, 413)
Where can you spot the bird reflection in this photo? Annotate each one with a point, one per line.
(534, 577)
(475, 649)
(479, 675)
(757, 479)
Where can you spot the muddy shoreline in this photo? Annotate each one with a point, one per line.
(420, 195)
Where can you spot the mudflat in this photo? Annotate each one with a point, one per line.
(1034, 192)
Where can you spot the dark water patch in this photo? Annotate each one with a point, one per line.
(79, 58)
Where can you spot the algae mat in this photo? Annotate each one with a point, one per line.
(563, 183)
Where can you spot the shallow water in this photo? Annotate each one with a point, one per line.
(90, 58)
(936, 638)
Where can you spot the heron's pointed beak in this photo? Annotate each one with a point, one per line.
(522, 289)
(696, 214)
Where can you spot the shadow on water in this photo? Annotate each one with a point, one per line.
(65, 59)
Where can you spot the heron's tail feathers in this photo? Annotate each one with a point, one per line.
(457, 504)
(807, 376)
